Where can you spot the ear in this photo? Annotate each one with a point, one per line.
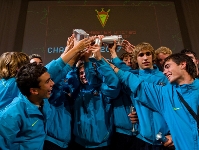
(33, 91)
(183, 65)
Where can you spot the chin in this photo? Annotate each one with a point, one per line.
(48, 96)
(171, 81)
(84, 81)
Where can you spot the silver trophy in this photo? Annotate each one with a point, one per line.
(132, 109)
(110, 40)
(80, 34)
(161, 138)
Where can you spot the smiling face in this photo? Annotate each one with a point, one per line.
(46, 85)
(82, 76)
(174, 72)
(145, 60)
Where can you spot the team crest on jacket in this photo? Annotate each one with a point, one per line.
(161, 83)
(95, 93)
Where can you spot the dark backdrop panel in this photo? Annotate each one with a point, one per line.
(49, 24)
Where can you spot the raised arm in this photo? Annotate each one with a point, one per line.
(117, 61)
(147, 93)
(110, 84)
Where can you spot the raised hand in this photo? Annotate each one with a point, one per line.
(69, 44)
(112, 50)
(127, 46)
(83, 44)
(96, 50)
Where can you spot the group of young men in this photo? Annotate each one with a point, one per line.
(88, 106)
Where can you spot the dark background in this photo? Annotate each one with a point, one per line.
(35, 26)
(49, 24)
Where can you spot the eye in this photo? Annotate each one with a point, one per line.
(47, 81)
(81, 73)
(166, 66)
(141, 54)
(148, 53)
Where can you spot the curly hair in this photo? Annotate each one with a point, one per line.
(22, 59)
(179, 58)
(164, 50)
(27, 77)
(144, 46)
(10, 62)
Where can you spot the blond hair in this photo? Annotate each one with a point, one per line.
(164, 50)
(10, 62)
(144, 46)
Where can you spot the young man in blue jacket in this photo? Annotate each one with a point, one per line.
(26, 127)
(150, 122)
(56, 111)
(181, 72)
(93, 116)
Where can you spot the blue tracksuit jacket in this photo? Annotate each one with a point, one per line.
(93, 116)
(164, 99)
(150, 121)
(8, 91)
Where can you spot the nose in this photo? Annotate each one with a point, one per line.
(164, 71)
(145, 56)
(52, 83)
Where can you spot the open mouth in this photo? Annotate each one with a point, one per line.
(168, 76)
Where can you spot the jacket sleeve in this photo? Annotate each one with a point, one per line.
(147, 93)
(72, 83)
(58, 69)
(110, 86)
(8, 132)
(92, 74)
(121, 65)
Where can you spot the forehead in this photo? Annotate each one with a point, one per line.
(81, 69)
(127, 56)
(35, 60)
(162, 55)
(170, 61)
(44, 77)
(144, 51)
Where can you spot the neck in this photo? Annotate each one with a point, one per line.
(35, 100)
(187, 79)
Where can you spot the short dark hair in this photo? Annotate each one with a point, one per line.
(188, 51)
(179, 58)
(27, 77)
(35, 56)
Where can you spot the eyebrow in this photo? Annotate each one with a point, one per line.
(47, 80)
